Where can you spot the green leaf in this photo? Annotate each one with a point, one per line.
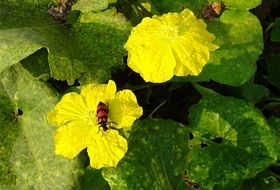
(239, 35)
(155, 159)
(165, 6)
(252, 92)
(232, 142)
(241, 5)
(27, 151)
(16, 44)
(37, 64)
(26, 13)
(88, 52)
(90, 5)
(275, 31)
(101, 37)
(92, 179)
(135, 11)
(273, 68)
(274, 122)
(10, 130)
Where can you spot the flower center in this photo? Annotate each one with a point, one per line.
(170, 31)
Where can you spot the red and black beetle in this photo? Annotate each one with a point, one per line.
(102, 116)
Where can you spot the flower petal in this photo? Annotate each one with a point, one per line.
(193, 57)
(72, 138)
(70, 108)
(155, 64)
(94, 93)
(124, 109)
(106, 149)
(150, 55)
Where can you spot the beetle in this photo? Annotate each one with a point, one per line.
(102, 116)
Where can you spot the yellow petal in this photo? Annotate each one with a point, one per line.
(94, 93)
(181, 70)
(186, 13)
(70, 108)
(149, 55)
(106, 149)
(154, 65)
(72, 138)
(124, 109)
(193, 57)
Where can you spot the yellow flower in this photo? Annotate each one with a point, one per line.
(171, 44)
(78, 128)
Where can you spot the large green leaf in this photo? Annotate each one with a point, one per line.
(88, 52)
(164, 6)
(17, 39)
(240, 5)
(275, 123)
(136, 10)
(93, 180)
(24, 13)
(37, 64)
(177, 5)
(232, 142)
(101, 37)
(239, 35)
(252, 92)
(10, 130)
(155, 159)
(27, 151)
(90, 5)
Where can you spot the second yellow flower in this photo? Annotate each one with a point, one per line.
(172, 44)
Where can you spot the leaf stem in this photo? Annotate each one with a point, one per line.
(269, 27)
(161, 104)
(271, 105)
(271, 99)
